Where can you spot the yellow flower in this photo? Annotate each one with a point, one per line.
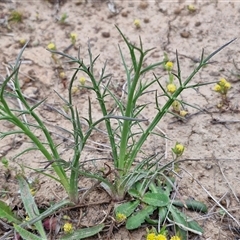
(183, 113)
(175, 238)
(73, 37)
(22, 41)
(82, 80)
(160, 237)
(67, 227)
(151, 236)
(169, 65)
(222, 82)
(178, 149)
(74, 90)
(51, 46)
(27, 218)
(227, 85)
(120, 217)
(137, 23)
(191, 8)
(62, 75)
(217, 88)
(171, 87)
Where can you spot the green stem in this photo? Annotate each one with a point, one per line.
(125, 131)
(159, 116)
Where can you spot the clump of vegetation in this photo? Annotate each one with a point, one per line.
(149, 184)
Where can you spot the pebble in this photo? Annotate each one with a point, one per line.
(106, 34)
(185, 34)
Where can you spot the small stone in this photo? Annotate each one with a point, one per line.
(146, 20)
(185, 34)
(177, 11)
(143, 5)
(125, 14)
(106, 34)
(197, 24)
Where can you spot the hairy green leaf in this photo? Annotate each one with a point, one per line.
(156, 199)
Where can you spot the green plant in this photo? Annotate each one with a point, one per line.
(222, 87)
(151, 203)
(125, 141)
(16, 16)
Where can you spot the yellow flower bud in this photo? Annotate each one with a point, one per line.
(51, 46)
(227, 85)
(62, 75)
(74, 90)
(178, 149)
(183, 113)
(169, 66)
(191, 8)
(67, 227)
(120, 217)
(82, 80)
(137, 23)
(73, 37)
(171, 87)
(160, 237)
(217, 88)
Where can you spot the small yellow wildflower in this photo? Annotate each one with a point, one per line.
(191, 8)
(227, 85)
(120, 217)
(169, 66)
(217, 88)
(160, 237)
(171, 87)
(74, 90)
(151, 236)
(176, 106)
(27, 218)
(32, 191)
(67, 227)
(175, 238)
(183, 113)
(178, 149)
(137, 23)
(62, 75)
(82, 80)
(222, 82)
(51, 46)
(22, 41)
(73, 37)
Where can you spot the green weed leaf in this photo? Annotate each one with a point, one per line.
(6, 212)
(30, 205)
(127, 208)
(137, 219)
(156, 199)
(182, 221)
(26, 234)
(83, 233)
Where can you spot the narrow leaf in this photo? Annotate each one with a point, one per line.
(26, 234)
(30, 205)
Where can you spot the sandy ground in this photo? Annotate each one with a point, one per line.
(211, 170)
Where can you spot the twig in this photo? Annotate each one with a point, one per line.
(227, 181)
(210, 195)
